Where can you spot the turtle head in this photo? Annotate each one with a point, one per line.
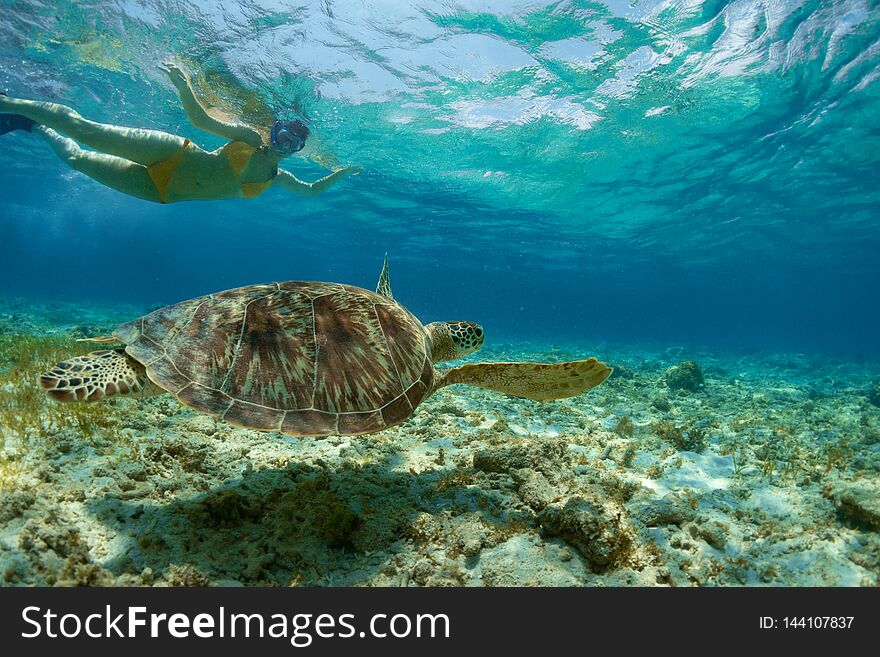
(451, 340)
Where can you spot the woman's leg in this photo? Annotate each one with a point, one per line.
(115, 172)
(136, 144)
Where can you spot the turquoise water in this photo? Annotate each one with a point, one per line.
(650, 183)
(675, 172)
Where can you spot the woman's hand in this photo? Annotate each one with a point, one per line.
(176, 74)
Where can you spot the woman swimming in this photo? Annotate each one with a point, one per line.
(161, 167)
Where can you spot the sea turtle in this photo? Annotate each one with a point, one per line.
(302, 358)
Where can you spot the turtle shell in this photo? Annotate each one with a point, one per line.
(302, 358)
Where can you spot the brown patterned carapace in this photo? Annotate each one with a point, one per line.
(302, 358)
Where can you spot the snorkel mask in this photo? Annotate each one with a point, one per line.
(288, 137)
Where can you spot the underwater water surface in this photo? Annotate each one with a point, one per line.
(658, 171)
(649, 182)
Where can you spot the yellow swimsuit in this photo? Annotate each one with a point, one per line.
(238, 154)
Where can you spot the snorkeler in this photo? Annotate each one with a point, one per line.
(165, 168)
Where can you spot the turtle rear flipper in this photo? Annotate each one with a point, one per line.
(97, 375)
(536, 381)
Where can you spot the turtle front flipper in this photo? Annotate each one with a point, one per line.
(97, 375)
(536, 381)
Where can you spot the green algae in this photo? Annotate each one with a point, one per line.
(31, 424)
(686, 437)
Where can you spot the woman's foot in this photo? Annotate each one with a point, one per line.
(10, 122)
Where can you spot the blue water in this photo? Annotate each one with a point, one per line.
(673, 172)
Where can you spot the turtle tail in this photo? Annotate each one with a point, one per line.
(97, 375)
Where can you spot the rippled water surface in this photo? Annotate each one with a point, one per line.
(673, 171)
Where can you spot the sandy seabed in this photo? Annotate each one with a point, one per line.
(766, 474)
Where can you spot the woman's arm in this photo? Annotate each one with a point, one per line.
(202, 118)
(291, 183)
